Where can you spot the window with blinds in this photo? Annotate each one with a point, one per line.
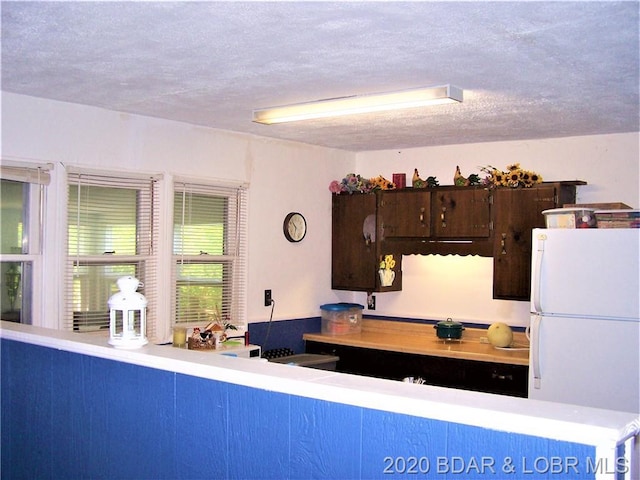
(112, 232)
(22, 196)
(209, 248)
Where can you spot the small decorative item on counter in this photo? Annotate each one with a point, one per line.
(214, 334)
(179, 337)
(200, 340)
(514, 177)
(387, 275)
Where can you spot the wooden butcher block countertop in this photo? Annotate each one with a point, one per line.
(421, 339)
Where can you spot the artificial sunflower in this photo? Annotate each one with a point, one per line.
(535, 178)
(513, 177)
(381, 183)
(499, 178)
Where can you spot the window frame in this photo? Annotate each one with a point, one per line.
(147, 261)
(233, 259)
(37, 176)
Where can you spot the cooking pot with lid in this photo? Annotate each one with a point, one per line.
(449, 329)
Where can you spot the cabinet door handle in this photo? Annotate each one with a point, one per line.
(499, 376)
(503, 244)
(442, 216)
(422, 215)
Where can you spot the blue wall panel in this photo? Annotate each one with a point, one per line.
(134, 409)
(67, 415)
(72, 412)
(326, 440)
(202, 428)
(259, 433)
(26, 432)
(283, 333)
(392, 452)
(475, 451)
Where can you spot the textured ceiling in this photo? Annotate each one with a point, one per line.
(528, 69)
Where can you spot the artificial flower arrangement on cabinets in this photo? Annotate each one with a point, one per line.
(353, 183)
(513, 177)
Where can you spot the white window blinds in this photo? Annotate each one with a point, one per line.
(209, 248)
(112, 232)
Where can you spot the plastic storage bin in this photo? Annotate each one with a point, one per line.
(570, 218)
(341, 318)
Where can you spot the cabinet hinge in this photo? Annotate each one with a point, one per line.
(491, 225)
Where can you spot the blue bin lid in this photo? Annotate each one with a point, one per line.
(338, 307)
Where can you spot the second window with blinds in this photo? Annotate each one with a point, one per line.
(209, 249)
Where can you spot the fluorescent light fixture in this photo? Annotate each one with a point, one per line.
(333, 107)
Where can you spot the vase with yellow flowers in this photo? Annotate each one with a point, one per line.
(387, 275)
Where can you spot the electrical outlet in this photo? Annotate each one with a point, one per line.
(371, 302)
(267, 298)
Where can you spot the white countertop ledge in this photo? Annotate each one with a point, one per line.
(571, 423)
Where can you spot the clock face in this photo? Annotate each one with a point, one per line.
(295, 227)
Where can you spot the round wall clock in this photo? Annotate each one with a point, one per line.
(294, 227)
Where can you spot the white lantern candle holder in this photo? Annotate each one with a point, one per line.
(128, 315)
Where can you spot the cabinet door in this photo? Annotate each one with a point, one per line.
(406, 213)
(353, 252)
(518, 211)
(497, 378)
(461, 213)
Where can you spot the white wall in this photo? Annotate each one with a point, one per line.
(460, 287)
(286, 176)
(283, 177)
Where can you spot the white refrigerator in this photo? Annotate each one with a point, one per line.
(585, 317)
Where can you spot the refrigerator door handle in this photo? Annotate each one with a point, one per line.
(537, 269)
(535, 349)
